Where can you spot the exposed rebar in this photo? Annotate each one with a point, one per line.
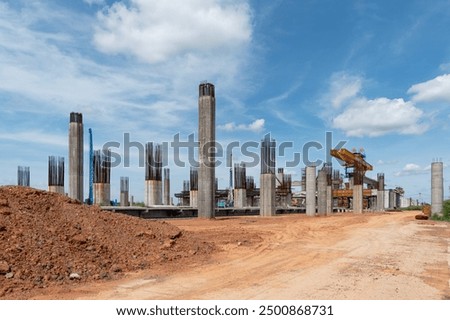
(153, 164)
(193, 181)
(56, 171)
(267, 155)
(23, 176)
(102, 166)
(239, 176)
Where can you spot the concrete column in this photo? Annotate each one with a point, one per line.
(102, 194)
(329, 209)
(193, 198)
(124, 199)
(358, 198)
(56, 189)
(76, 144)
(311, 191)
(153, 192)
(167, 187)
(267, 195)
(240, 198)
(207, 138)
(437, 187)
(322, 193)
(380, 193)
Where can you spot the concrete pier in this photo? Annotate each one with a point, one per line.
(240, 187)
(193, 198)
(322, 192)
(437, 187)
(310, 182)
(267, 206)
(240, 198)
(124, 191)
(380, 192)
(207, 140)
(357, 198)
(76, 150)
(102, 177)
(153, 175)
(56, 174)
(153, 195)
(358, 177)
(166, 195)
(102, 194)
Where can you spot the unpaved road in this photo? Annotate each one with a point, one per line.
(376, 256)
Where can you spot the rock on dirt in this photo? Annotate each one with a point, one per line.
(46, 237)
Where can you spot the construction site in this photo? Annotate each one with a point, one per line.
(334, 234)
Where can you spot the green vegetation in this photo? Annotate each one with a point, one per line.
(412, 208)
(446, 212)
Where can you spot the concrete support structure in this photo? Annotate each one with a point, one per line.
(207, 140)
(124, 191)
(102, 194)
(380, 192)
(240, 191)
(153, 175)
(102, 177)
(76, 144)
(267, 179)
(437, 187)
(166, 196)
(193, 198)
(322, 192)
(193, 187)
(240, 198)
(329, 201)
(250, 190)
(357, 201)
(310, 191)
(56, 174)
(357, 198)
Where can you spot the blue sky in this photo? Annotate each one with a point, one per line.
(376, 74)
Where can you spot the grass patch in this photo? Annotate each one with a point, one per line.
(446, 212)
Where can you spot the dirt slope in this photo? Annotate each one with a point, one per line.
(45, 238)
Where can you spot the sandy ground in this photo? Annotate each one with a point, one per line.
(370, 256)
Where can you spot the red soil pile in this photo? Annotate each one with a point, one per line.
(47, 239)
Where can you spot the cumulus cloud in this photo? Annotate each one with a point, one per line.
(437, 89)
(380, 116)
(156, 31)
(342, 88)
(255, 126)
(412, 169)
(348, 110)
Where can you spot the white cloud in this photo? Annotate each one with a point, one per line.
(412, 169)
(343, 87)
(157, 31)
(255, 126)
(437, 89)
(380, 116)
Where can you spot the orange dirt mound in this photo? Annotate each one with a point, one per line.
(47, 239)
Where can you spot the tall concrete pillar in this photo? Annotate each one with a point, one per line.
(310, 191)
(153, 175)
(358, 177)
(193, 188)
(76, 147)
(329, 170)
(207, 140)
(322, 192)
(380, 192)
(437, 187)
(240, 191)
(167, 201)
(56, 174)
(102, 177)
(268, 188)
(357, 198)
(124, 191)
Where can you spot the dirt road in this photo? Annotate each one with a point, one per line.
(376, 256)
